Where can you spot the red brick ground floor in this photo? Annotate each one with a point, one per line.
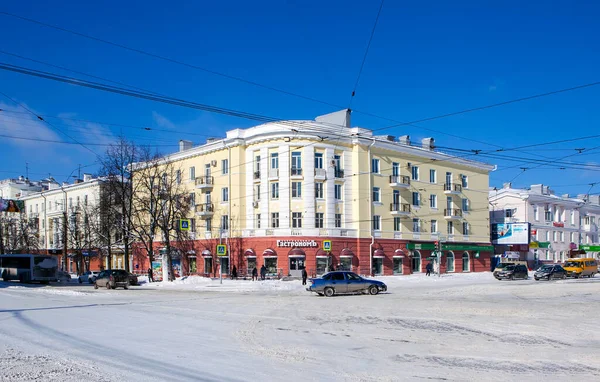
(287, 256)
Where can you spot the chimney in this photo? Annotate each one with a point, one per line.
(594, 199)
(506, 185)
(537, 189)
(87, 177)
(184, 145)
(427, 143)
(405, 139)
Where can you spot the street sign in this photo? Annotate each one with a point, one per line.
(221, 250)
(327, 245)
(184, 224)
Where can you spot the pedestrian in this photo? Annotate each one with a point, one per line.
(304, 276)
(150, 278)
(331, 268)
(254, 274)
(428, 268)
(263, 272)
(234, 273)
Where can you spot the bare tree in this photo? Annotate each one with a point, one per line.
(20, 234)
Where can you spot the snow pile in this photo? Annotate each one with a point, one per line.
(51, 290)
(228, 285)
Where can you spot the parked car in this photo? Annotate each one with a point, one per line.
(581, 267)
(133, 279)
(344, 282)
(511, 272)
(63, 276)
(112, 278)
(88, 277)
(550, 271)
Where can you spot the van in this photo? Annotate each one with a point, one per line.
(581, 267)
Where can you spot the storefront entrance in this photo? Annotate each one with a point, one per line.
(416, 262)
(377, 266)
(297, 264)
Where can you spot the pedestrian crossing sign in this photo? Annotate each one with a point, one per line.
(184, 225)
(221, 250)
(327, 245)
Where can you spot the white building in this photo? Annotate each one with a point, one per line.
(559, 224)
(15, 188)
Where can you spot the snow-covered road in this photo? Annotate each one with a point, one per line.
(457, 328)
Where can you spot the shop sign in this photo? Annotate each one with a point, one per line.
(540, 244)
(558, 224)
(425, 246)
(590, 248)
(466, 247)
(297, 243)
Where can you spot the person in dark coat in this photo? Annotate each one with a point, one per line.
(429, 268)
(304, 276)
(150, 278)
(263, 272)
(254, 274)
(234, 273)
(331, 268)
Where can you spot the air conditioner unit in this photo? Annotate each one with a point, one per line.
(255, 204)
(213, 163)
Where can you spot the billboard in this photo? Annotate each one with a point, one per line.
(11, 205)
(510, 233)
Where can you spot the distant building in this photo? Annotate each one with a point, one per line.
(15, 188)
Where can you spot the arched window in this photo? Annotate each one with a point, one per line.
(466, 265)
(416, 262)
(450, 262)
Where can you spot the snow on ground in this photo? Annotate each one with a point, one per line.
(460, 327)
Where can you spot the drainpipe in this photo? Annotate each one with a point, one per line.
(371, 212)
(229, 204)
(45, 222)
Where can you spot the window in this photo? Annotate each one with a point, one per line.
(192, 199)
(547, 235)
(70, 202)
(225, 166)
(395, 169)
(416, 199)
(450, 228)
(296, 189)
(397, 224)
(275, 190)
(224, 222)
(464, 181)
(415, 172)
(319, 190)
(257, 164)
(434, 226)
(375, 166)
(416, 225)
(296, 163)
(319, 220)
(536, 213)
(258, 221)
(376, 223)
(338, 191)
(274, 160)
(275, 220)
(296, 220)
(433, 201)
(572, 217)
(192, 173)
(562, 237)
(432, 176)
(397, 265)
(193, 225)
(338, 220)
(178, 177)
(257, 192)
(555, 236)
(225, 194)
(376, 194)
(572, 237)
(465, 205)
(318, 160)
(465, 228)
(507, 213)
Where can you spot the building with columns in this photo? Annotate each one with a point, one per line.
(274, 193)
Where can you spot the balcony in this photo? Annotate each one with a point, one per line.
(452, 213)
(320, 173)
(257, 176)
(400, 208)
(452, 189)
(273, 174)
(205, 210)
(205, 182)
(399, 181)
(339, 174)
(295, 171)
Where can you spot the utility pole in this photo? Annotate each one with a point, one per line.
(65, 245)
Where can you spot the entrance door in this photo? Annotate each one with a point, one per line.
(416, 262)
(377, 266)
(296, 266)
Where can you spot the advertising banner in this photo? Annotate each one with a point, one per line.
(510, 233)
(157, 270)
(11, 205)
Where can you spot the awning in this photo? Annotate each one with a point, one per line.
(346, 252)
(379, 253)
(399, 253)
(206, 253)
(322, 253)
(296, 252)
(269, 252)
(250, 252)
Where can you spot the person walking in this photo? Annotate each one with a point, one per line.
(254, 274)
(263, 272)
(428, 268)
(304, 276)
(150, 278)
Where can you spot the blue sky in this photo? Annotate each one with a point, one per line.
(426, 59)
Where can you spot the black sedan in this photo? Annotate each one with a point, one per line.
(549, 272)
(512, 272)
(343, 282)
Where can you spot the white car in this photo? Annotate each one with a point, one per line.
(89, 276)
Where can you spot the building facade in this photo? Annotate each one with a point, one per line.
(560, 225)
(274, 193)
